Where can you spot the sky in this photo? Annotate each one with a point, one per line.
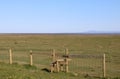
(59, 16)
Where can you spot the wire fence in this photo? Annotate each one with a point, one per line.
(80, 63)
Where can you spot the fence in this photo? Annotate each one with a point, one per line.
(88, 65)
(81, 63)
(85, 64)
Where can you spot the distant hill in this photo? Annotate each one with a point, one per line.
(102, 32)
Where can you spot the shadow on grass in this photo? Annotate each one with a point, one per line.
(46, 70)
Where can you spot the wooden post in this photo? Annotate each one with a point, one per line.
(61, 67)
(66, 61)
(53, 55)
(10, 56)
(31, 59)
(66, 51)
(51, 68)
(57, 65)
(66, 65)
(104, 66)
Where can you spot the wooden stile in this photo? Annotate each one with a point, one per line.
(58, 64)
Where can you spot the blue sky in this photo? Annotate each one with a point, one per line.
(59, 16)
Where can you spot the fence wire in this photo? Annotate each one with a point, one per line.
(82, 63)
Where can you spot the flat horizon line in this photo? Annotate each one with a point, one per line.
(60, 33)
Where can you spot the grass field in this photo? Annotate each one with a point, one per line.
(76, 43)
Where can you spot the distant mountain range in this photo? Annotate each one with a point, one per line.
(102, 32)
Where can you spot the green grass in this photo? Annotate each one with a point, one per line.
(17, 71)
(21, 44)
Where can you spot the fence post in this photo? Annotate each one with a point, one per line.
(104, 66)
(10, 56)
(53, 55)
(66, 61)
(31, 59)
(57, 64)
(66, 51)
